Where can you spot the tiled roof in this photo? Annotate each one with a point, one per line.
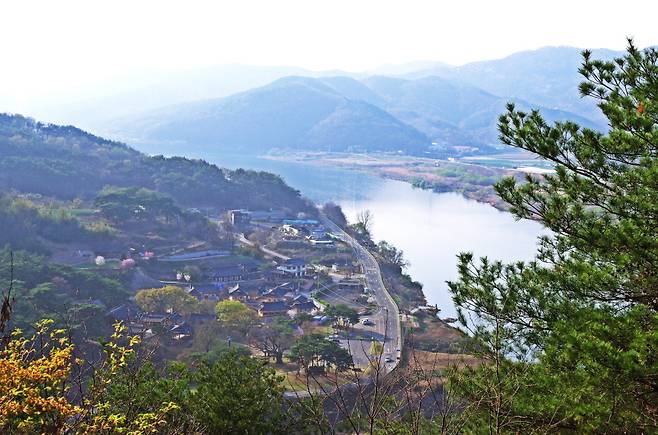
(228, 271)
(308, 305)
(124, 313)
(273, 306)
(207, 288)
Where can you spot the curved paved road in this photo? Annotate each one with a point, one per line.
(387, 319)
(242, 239)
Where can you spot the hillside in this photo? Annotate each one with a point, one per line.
(290, 113)
(65, 163)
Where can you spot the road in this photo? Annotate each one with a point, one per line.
(387, 319)
(242, 239)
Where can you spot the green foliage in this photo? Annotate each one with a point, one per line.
(570, 340)
(274, 338)
(62, 293)
(239, 394)
(25, 225)
(235, 315)
(139, 388)
(217, 351)
(168, 298)
(316, 351)
(342, 315)
(124, 204)
(391, 255)
(66, 163)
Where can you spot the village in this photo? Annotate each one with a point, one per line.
(281, 269)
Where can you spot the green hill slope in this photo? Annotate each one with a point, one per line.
(65, 162)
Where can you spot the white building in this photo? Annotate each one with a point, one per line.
(293, 267)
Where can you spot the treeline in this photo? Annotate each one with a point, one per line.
(26, 225)
(406, 292)
(73, 298)
(65, 162)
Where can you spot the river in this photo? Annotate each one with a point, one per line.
(430, 228)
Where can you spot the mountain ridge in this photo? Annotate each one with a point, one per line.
(288, 113)
(428, 115)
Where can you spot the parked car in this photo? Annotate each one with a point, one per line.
(388, 359)
(367, 322)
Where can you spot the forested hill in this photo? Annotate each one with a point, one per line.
(298, 113)
(66, 162)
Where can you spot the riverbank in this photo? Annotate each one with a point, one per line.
(473, 179)
(431, 228)
(422, 328)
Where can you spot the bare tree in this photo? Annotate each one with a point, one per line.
(364, 220)
(5, 309)
(410, 397)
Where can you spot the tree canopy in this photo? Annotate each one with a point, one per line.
(62, 293)
(342, 315)
(235, 315)
(239, 394)
(167, 298)
(66, 162)
(315, 350)
(274, 338)
(570, 340)
(124, 204)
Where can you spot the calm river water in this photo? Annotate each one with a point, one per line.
(430, 228)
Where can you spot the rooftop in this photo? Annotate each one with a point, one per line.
(228, 271)
(207, 288)
(235, 290)
(124, 312)
(294, 262)
(273, 306)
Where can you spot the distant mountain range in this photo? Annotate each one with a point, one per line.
(546, 77)
(300, 113)
(417, 108)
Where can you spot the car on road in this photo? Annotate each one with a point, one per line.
(388, 359)
(367, 322)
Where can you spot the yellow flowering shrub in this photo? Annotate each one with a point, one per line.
(34, 382)
(33, 375)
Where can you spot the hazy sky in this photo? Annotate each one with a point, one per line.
(55, 47)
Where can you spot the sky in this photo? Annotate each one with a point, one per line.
(53, 48)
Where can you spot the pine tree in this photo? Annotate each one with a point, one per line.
(570, 341)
